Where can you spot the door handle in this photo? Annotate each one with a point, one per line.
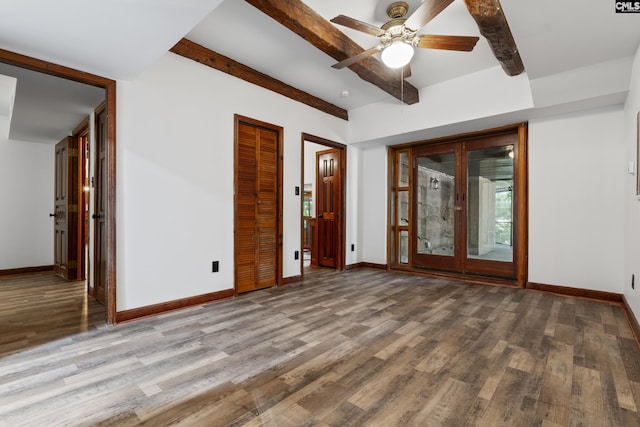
(52, 214)
(320, 216)
(95, 216)
(458, 208)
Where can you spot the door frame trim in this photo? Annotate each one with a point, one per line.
(341, 250)
(109, 86)
(82, 130)
(237, 119)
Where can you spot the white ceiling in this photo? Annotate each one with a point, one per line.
(46, 108)
(120, 38)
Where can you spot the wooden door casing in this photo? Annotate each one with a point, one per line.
(328, 205)
(258, 224)
(339, 201)
(100, 208)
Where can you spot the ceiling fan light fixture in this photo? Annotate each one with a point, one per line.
(397, 54)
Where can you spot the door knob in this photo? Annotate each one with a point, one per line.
(52, 214)
(458, 208)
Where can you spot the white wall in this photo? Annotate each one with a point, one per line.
(631, 202)
(26, 190)
(352, 197)
(175, 186)
(576, 179)
(373, 205)
(576, 189)
(175, 177)
(479, 95)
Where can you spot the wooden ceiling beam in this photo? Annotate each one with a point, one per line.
(493, 26)
(305, 22)
(208, 57)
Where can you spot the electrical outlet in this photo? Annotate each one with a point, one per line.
(296, 255)
(353, 247)
(215, 266)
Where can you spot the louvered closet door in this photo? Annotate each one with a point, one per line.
(256, 208)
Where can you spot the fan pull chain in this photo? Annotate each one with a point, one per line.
(402, 85)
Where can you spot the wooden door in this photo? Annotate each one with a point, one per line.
(257, 206)
(66, 210)
(463, 217)
(100, 205)
(328, 185)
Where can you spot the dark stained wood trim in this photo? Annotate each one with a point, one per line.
(82, 126)
(522, 208)
(461, 136)
(52, 69)
(26, 270)
(208, 57)
(110, 98)
(341, 258)
(152, 310)
(575, 292)
(111, 203)
(632, 319)
(493, 26)
(82, 129)
(308, 24)
(323, 141)
(366, 265)
(291, 280)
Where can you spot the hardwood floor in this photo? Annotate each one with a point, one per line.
(361, 347)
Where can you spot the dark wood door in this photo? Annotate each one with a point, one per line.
(328, 183)
(99, 212)
(257, 200)
(66, 210)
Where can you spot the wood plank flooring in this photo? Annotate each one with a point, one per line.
(356, 348)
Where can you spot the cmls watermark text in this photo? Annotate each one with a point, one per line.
(628, 7)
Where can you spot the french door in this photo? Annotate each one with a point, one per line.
(462, 206)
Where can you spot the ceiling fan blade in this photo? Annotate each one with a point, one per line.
(425, 13)
(462, 43)
(359, 57)
(358, 25)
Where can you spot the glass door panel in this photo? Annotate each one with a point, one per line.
(490, 204)
(435, 207)
(490, 214)
(400, 213)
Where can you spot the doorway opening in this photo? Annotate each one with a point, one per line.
(109, 87)
(323, 203)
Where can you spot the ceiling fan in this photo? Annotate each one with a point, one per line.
(399, 36)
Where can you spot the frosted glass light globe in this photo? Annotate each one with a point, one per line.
(397, 55)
